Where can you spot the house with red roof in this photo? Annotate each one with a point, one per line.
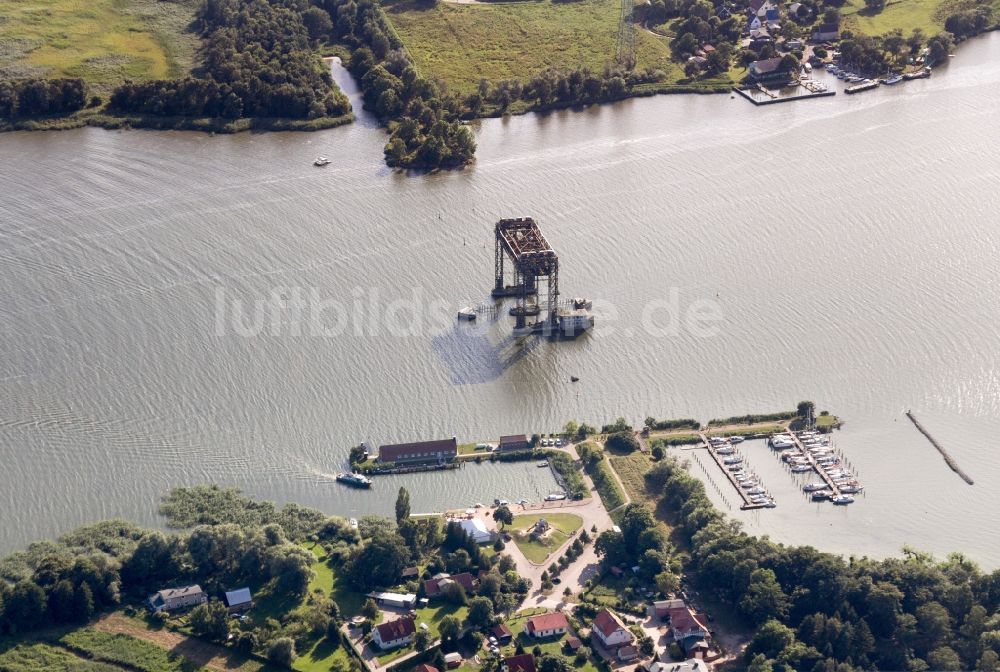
(445, 450)
(394, 634)
(523, 663)
(547, 625)
(610, 630)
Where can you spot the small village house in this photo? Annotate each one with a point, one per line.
(522, 663)
(504, 635)
(476, 529)
(171, 599)
(452, 660)
(394, 634)
(611, 631)
(547, 625)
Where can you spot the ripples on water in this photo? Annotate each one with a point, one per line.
(850, 243)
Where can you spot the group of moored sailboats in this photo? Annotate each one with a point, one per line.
(817, 455)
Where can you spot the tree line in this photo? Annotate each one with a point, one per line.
(41, 97)
(258, 61)
(818, 611)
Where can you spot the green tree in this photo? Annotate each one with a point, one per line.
(667, 582)
(402, 505)
(760, 663)
(944, 659)
(370, 610)
(989, 662)
(281, 652)
(480, 612)
(622, 442)
(764, 599)
(449, 628)
(210, 620)
(421, 640)
(770, 640)
(503, 516)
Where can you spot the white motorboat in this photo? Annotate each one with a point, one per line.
(321, 161)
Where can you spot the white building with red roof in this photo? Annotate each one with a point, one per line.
(610, 630)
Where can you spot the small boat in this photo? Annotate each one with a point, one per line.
(851, 489)
(543, 463)
(821, 495)
(737, 439)
(555, 497)
(321, 161)
(354, 480)
(582, 303)
(353, 523)
(725, 451)
(467, 314)
(892, 79)
(814, 487)
(756, 491)
(801, 468)
(919, 74)
(735, 459)
(574, 379)
(843, 500)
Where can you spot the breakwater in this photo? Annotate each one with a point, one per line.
(949, 460)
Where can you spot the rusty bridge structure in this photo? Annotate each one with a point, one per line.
(535, 267)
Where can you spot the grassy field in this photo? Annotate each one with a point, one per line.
(631, 469)
(126, 651)
(39, 657)
(102, 41)
(464, 43)
(564, 525)
(928, 15)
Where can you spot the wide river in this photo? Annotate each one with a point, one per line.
(179, 308)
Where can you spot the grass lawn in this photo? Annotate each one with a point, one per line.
(462, 44)
(564, 525)
(631, 469)
(825, 421)
(102, 41)
(552, 645)
(349, 600)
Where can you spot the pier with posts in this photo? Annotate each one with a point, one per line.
(814, 463)
(747, 504)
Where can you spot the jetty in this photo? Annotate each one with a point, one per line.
(864, 86)
(747, 504)
(949, 460)
(815, 465)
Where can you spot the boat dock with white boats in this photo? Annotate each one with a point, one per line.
(811, 451)
(747, 484)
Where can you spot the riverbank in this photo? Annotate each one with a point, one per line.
(157, 123)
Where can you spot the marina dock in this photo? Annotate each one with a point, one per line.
(815, 465)
(747, 504)
(949, 460)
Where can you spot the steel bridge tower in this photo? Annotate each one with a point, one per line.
(533, 260)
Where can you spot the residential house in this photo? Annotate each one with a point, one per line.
(768, 70)
(409, 573)
(424, 667)
(523, 663)
(794, 9)
(755, 23)
(513, 442)
(394, 634)
(573, 643)
(610, 630)
(422, 452)
(171, 599)
(476, 529)
(688, 630)
(452, 660)
(437, 585)
(547, 625)
(504, 635)
(829, 32)
(238, 600)
(759, 37)
(394, 600)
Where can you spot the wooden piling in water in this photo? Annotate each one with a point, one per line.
(949, 460)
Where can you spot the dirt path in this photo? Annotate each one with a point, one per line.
(201, 653)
